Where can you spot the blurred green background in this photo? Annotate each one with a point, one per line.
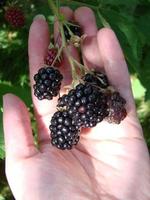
(130, 19)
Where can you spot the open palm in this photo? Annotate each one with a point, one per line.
(111, 162)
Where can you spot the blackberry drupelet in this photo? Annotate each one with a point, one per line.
(15, 17)
(97, 78)
(64, 134)
(47, 83)
(116, 108)
(75, 29)
(86, 104)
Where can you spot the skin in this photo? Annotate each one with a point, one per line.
(111, 162)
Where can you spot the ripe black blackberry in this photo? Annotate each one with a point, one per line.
(116, 108)
(96, 78)
(75, 29)
(86, 104)
(64, 134)
(47, 83)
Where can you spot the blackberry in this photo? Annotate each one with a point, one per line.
(50, 56)
(64, 134)
(15, 17)
(97, 78)
(47, 83)
(116, 108)
(86, 104)
(75, 29)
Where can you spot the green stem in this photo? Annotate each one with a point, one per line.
(58, 4)
(73, 70)
(84, 69)
(54, 8)
(58, 55)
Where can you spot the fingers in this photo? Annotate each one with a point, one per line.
(86, 19)
(90, 53)
(38, 45)
(18, 136)
(114, 64)
(39, 39)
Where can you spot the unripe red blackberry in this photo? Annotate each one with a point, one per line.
(64, 134)
(50, 57)
(15, 17)
(47, 83)
(116, 108)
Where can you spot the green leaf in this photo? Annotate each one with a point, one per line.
(22, 92)
(76, 4)
(143, 25)
(120, 2)
(145, 74)
(128, 36)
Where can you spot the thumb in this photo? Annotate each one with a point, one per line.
(18, 136)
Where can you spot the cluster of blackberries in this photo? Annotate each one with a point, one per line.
(47, 83)
(90, 102)
(85, 106)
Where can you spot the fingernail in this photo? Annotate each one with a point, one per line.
(39, 16)
(7, 99)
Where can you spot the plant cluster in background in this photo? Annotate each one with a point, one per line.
(130, 21)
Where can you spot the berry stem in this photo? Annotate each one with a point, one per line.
(72, 61)
(73, 70)
(61, 21)
(56, 12)
(83, 68)
(53, 7)
(58, 55)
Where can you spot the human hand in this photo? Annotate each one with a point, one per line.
(111, 162)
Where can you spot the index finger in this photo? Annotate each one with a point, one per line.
(38, 44)
(39, 38)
